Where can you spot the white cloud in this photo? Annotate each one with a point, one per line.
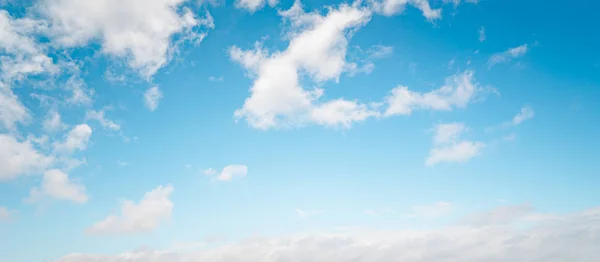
(342, 113)
(101, 118)
(380, 51)
(21, 54)
(152, 97)
(525, 114)
(253, 5)
(503, 215)
(457, 92)
(481, 34)
(215, 79)
(570, 237)
(317, 48)
(20, 158)
(6, 214)
(154, 208)
(228, 173)
(392, 7)
(304, 214)
(56, 184)
(508, 55)
(449, 147)
(140, 31)
(76, 139)
(53, 123)
(431, 211)
(12, 111)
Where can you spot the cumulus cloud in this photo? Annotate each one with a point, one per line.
(154, 208)
(458, 91)
(12, 111)
(101, 118)
(568, 237)
(76, 140)
(57, 185)
(20, 158)
(508, 55)
(152, 97)
(228, 173)
(253, 5)
(317, 48)
(450, 147)
(140, 31)
(392, 7)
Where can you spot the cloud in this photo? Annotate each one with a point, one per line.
(377, 212)
(507, 55)
(458, 91)
(139, 31)
(449, 147)
(380, 51)
(481, 34)
(101, 118)
(570, 237)
(215, 79)
(6, 214)
(152, 97)
(20, 158)
(504, 215)
(253, 5)
(154, 208)
(53, 122)
(304, 214)
(12, 111)
(76, 139)
(228, 173)
(56, 184)
(393, 7)
(431, 211)
(317, 48)
(525, 114)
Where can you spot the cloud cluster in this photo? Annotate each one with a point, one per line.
(450, 147)
(508, 55)
(154, 208)
(228, 173)
(564, 238)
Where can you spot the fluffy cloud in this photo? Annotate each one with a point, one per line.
(152, 97)
(76, 139)
(253, 5)
(101, 118)
(507, 55)
(569, 237)
(228, 172)
(449, 147)
(20, 158)
(392, 7)
(57, 185)
(317, 48)
(12, 111)
(153, 208)
(457, 92)
(525, 114)
(140, 31)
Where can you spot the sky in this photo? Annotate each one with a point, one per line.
(266, 130)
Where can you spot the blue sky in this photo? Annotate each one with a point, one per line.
(249, 130)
